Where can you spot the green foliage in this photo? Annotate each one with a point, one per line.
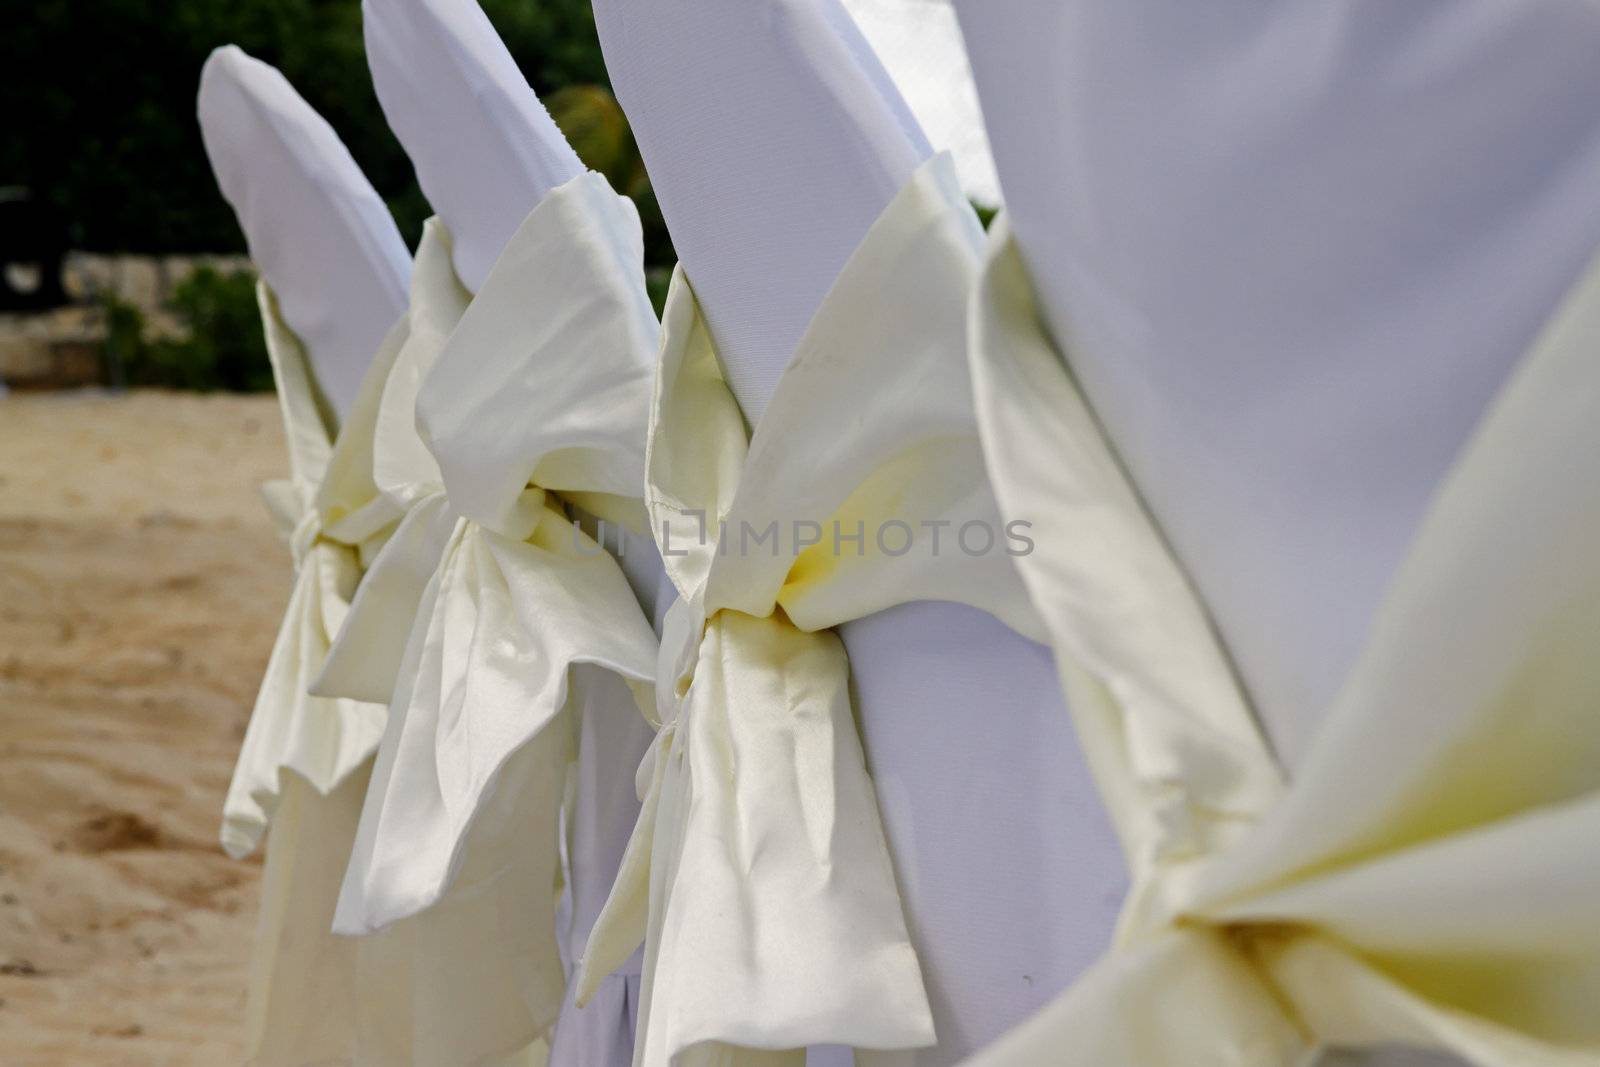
(657, 280)
(222, 346)
(98, 102)
(593, 123)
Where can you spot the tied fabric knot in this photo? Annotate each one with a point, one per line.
(1429, 878)
(682, 631)
(306, 533)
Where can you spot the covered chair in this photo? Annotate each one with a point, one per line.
(324, 240)
(791, 175)
(520, 418)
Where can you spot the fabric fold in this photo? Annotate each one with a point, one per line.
(1424, 881)
(364, 659)
(758, 875)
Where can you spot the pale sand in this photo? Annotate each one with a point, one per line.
(140, 586)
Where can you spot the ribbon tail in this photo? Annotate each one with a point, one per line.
(321, 739)
(775, 922)
(364, 662)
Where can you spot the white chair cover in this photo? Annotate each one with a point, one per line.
(320, 235)
(774, 141)
(484, 148)
(1293, 250)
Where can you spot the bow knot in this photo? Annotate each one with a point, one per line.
(682, 632)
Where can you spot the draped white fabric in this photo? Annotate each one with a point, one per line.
(317, 231)
(1261, 731)
(329, 522)
(1293, 251)
(486, 152)
(484, 148)
(773, 138)
(314, 998)
(447, 987)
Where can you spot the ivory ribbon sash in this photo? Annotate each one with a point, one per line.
(1432, 877)
(531, 398)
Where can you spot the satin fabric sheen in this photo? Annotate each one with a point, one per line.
(1430, 879)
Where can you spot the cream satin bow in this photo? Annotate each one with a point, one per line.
(758, 876)
(528, 402)
(1432, 876)
(331, 515)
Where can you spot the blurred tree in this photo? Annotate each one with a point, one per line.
(221, 346)
(593, 123)
(97, 104)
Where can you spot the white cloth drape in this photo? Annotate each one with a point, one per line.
(317, 230)
(1429, 879)
(484, 148)
(1287, 293)
(774, 140)
(441, 988)
(333, 518)
(486, 153)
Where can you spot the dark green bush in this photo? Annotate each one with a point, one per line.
(221, 346)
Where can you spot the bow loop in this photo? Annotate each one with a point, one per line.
(545, 380)
(403, 468)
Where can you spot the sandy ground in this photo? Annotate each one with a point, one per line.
(140, 586)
